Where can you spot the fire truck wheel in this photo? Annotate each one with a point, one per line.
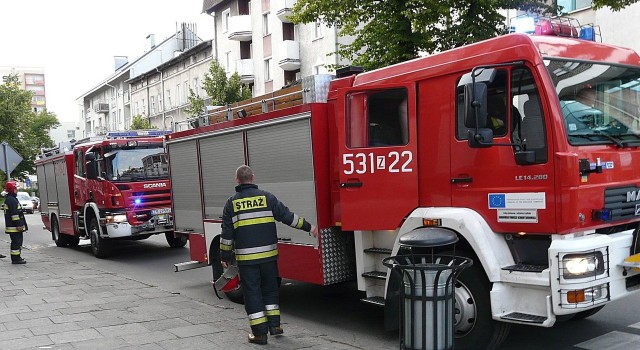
(99, 246)
(474, 325)
(55, 232)
(176, 242)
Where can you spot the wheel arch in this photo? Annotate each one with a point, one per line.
(91, 211)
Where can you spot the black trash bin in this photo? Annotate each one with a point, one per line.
(427, 295)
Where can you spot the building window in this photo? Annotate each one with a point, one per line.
(179, 100)
(317, 30)
(153, 105)
(144, 106)
(196, 90)
(573, 5)
(225, 20)
(318, 69)
(267, 69)
(185, 91)
(266, 28)
(160, 103)
(136, 109)
(168, 100)
(71, 134)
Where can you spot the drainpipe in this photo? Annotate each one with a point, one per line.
(215, 35)
(115, 98)
(164, 110)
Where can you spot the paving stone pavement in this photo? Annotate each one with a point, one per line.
(44, 306)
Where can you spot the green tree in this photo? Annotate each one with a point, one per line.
(196, 105)
(139, 123)
(25, 130)
(393, 31)
(223, 90)
(615, 5)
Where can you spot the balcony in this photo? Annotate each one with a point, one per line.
(101, 107)
(240, 28)
(290, 55)
(283, 8)
(245, 70)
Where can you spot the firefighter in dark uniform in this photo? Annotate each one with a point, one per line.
(249, 231)
(14, 221)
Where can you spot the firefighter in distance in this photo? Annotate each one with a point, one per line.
(249, 231)
(15, 223)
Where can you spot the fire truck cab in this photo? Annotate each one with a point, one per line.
(523, 146)
(106, 188)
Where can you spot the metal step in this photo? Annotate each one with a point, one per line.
(378, 251)
(526, 268)
(378, 301)
(375, 274)
(520, 317)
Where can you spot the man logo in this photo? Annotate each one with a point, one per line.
(633, 196)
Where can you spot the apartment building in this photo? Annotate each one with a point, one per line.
(161, 94)
(107, 106)
(257, 40)
(31, 79)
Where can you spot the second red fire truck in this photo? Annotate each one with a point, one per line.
(526, 147)
(106, 188)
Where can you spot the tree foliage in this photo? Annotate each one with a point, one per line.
(393, 31)
(615, 5)
(140, 123)
(223, 90)
(196, 105)
(26, 131)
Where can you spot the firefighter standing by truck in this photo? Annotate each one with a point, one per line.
(15, 223)
(249, 231)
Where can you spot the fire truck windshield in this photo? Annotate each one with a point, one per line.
(136, 164)
(600, 103)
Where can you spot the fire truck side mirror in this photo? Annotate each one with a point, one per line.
(92, 166)
(475, 115)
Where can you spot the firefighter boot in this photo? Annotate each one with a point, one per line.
(276, 330)
(19, 261)
(2, 256)
(258, 339)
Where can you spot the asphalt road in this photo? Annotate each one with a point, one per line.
(332, 310)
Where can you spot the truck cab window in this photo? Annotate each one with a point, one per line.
(377, 118)
(497, 113)
(528, 124)
(79, 163)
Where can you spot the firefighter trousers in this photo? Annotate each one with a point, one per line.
(261, 295)
(16, 245)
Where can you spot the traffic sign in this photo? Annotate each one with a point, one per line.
(9, 159)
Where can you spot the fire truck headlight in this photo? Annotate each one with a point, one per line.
(111, 219)
(582, 265)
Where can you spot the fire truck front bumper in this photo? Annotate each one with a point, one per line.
(157, 224)
(589, 271)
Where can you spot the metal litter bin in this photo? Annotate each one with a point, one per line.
(427, 296)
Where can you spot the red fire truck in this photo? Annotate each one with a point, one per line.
(106, 188)
(524, 146)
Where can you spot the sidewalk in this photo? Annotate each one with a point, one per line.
(51, 303)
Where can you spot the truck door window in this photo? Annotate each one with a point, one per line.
(377, 118)
(528, 119)
(497, 113)
(79, 163)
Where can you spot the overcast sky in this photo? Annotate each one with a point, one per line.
(75, 40)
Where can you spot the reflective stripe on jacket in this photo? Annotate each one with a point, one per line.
(248, 225)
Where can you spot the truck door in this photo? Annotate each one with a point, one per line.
(378, 168)
(511, 197)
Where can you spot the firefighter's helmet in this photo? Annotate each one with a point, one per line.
(10, 186)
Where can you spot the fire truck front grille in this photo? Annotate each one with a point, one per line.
(622, 202)
(151, 198)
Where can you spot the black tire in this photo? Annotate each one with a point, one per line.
(100, 247)
(474, 326)
(587, 313)
(59, 238)
(236, 295)
(176, 242)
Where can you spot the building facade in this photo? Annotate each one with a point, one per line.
(257, 40)
(161, 94)
(31, 79)
(107, 106)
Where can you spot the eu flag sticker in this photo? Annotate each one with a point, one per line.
(497, 200)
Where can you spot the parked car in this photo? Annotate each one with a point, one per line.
(25, 201)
